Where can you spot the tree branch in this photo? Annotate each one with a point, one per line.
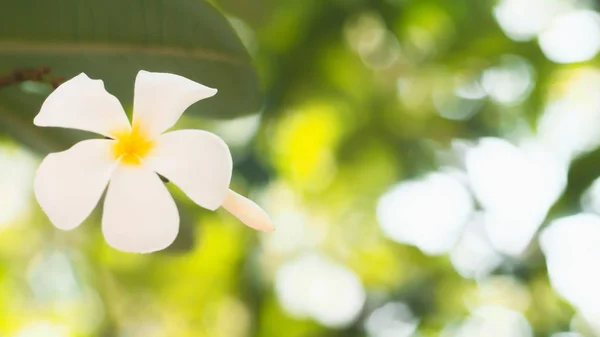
(38, 74)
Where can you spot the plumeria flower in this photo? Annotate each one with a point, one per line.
(139, 213)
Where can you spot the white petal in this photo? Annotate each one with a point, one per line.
(248, 212)
(140, 216)
(82, 103)
(161, 98)
(69, 184)
(198, 162)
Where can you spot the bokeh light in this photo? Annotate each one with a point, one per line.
(590, 200)
(502, 291)
(572, 37)
(459, 102)
(522, 20)
(509, 82)
(300, 230)
(43, 329)
(516, 186)
(567, 125)
(17, 167)
(492, 321)
(474, 256)
(429, 212)
(238, 132)
(571, 250)
(391, 320)
(313, 286)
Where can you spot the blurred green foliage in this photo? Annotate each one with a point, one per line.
(340, 122)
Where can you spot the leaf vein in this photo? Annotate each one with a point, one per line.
(18, 47)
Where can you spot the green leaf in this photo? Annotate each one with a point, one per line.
(112, 40)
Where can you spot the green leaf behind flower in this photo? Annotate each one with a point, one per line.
(112, 40)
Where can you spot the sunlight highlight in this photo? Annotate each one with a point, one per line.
(515, 186)
(473, 256)
(572, 252)
(590, 200)
(394, 319)
(492, 321)
(510, 82)
(460, 100)
(17, 169)
(569, 122)
(314, 286)
(43, 329)
(428, 213)
(300, 228)
(572, 37)
(522, 20)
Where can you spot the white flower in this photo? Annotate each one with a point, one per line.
(139, 213)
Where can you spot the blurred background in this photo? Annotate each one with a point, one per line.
(430, 167)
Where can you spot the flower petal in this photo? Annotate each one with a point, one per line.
(248, 212)
(82, 103)
(161, 98)
(140, 216)
(69, 184)
(198, 162)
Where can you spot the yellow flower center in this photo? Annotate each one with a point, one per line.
(131, 146)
